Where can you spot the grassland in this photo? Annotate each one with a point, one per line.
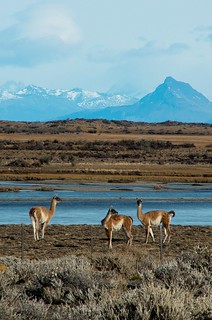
(106, 151)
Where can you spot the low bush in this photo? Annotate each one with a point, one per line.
(111, 286)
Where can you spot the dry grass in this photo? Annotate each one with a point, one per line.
(197, 140)
(112, 172)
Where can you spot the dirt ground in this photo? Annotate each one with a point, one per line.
(91, 241)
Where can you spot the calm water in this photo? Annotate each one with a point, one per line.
(88, 204)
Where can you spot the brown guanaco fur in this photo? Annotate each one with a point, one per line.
(40, 216)
(155, 217)
(114, 222)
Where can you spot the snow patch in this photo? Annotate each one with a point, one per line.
(7, 95)
(73, 95)
(91, 94)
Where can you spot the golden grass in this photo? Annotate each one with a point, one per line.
(197, 140)
(119, 173)
(3, 267)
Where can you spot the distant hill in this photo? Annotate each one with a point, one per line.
(171, 101)
(32, 103)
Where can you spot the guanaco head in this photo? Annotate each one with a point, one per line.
(112, 211)
(139, 202)
(56, 198)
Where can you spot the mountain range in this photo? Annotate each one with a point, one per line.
(172, 100)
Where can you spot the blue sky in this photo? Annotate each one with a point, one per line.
(106, 45)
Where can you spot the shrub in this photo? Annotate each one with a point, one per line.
(18, 163)
(74, 288)
(46, 159)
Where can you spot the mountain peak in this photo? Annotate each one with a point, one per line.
(178, 90)
(173, 83)
(170, 80)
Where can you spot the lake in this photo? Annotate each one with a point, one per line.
(89, 203)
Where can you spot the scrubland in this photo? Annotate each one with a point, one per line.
(73, 275)
(110, 286)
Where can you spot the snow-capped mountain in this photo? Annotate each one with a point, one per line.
(172, 100)
(33, 103)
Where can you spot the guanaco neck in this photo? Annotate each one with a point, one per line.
(106, 219)
(52, 207)
(139, 211)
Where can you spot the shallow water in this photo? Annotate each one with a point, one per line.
(88, 203)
